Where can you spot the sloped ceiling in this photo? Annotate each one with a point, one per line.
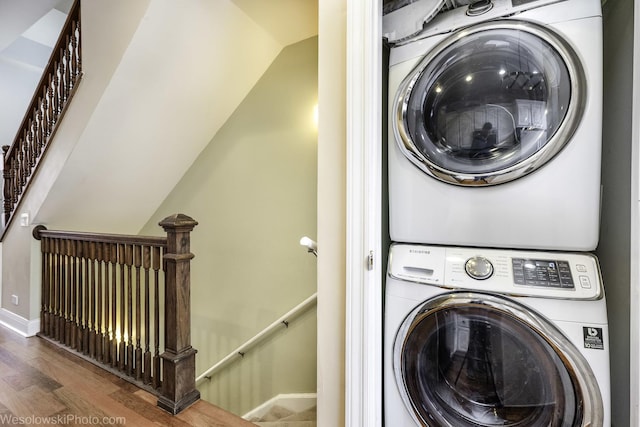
(186, 68)
(29, 29)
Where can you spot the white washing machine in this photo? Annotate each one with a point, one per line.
(495, 126)
(489, 337)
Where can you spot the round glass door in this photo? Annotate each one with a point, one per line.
(491, 104)
(469, 359)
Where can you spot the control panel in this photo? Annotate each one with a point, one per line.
(514, 272)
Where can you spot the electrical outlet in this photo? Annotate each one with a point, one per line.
(14, 299)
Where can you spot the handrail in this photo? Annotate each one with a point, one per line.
(42, 231)
(102, 296)
(48, 105)
(241, 351)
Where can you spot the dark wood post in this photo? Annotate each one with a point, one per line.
(179, 358)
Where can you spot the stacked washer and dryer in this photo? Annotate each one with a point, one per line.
(495, 312)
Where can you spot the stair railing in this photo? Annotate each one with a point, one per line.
(238, 353)
(118, 300)
(48, 105)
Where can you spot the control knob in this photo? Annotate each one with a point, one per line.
(478, 267)
(478, 7)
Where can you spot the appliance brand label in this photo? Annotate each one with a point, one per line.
(593, 338)
(419, 251)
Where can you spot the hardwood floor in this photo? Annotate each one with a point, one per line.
(41, 384)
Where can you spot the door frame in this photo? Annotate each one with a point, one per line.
(363, 343)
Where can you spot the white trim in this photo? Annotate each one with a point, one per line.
(18, 324)
(363, 347)
(296, 402)
(634, 279)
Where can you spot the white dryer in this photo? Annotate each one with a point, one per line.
(479, 337)
(495, 127)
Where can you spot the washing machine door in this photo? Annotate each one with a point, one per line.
(490, 104)
(472, 359)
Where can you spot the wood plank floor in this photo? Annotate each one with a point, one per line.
(41, 384)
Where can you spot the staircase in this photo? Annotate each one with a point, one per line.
(279, 416)
(285, 410)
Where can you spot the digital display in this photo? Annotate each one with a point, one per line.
(545, 273)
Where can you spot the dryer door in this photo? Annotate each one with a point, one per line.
(490, 104)
(472, 359)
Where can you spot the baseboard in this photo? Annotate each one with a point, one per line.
(18, 324)
(296, 402)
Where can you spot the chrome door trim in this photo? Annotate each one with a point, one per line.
(557, 142)
(574, 361)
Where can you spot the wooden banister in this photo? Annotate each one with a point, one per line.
(48, 105)
(102, 296)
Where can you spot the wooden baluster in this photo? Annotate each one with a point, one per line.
(67, 69)
(47, 124)
(56, 290)
(75, 72)
(129, 261)
(6, 191)
(12, 184)
(73, 332)
(86, 293)
(46, 287)
(68, 285)
(28, 143)
(56, 93)
(43, 290)
(137, 262)
(38, 136)
(26, 148)
(92, 299)
(122, 350)
(146, 265)
(157, 262)
(61, 289)
(108, 304)
(113, 263)
(179, 357)
(98, 301)
(15, 165)
(106, 342)
(15, 162)
(81, 295)
(20, 167)
(37, 129)
(21, 161)
(61, 84)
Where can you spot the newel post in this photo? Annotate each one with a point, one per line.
(179, 358)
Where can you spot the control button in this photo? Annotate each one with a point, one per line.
(585, 282)
(478, 268)
(581, 268)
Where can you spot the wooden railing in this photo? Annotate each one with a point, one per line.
(48, 105)
(118, 300)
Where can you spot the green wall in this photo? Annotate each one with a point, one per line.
(253, 192)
